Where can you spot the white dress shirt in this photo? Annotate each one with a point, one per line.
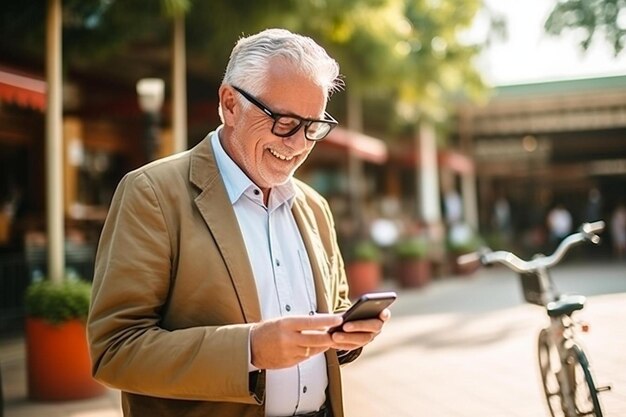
(283, 278)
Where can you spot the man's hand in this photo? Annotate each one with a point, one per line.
(287, 341)
(358, 333)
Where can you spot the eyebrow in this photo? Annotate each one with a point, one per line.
(280, 113)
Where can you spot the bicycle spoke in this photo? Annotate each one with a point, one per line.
(550, 365)
(584, 391)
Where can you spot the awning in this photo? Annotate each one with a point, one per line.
(365, 147)
(455, 161)
(23, 90)
(446, 158)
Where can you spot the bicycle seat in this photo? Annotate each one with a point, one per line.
(566, 305)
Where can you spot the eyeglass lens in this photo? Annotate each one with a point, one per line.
(285, 126)
(313, 130)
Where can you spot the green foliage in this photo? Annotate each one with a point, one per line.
(411, 248)
(591, 16)
(365, 250)
(468, 246)
(497, 241)
(175, 8)
(57, 303)
(410, 52)
(463, 239)
(93, 30)
(407, 54)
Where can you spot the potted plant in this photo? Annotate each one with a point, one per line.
(363, 268)
(58, 363)
(413, 267)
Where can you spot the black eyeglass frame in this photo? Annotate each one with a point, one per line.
(330, 121)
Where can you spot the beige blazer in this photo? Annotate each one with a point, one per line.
(174, 295)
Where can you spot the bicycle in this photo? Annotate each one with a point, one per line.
(568, 383)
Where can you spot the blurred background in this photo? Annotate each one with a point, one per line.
(463, 123)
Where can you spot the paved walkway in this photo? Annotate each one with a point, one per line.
(459, 347)
(468, 348)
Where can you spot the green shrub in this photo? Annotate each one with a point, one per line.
(365, 250)
(57, 303)
(411, 248)
(463, 239)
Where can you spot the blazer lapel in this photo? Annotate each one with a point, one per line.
(216, 210)
(314, 247)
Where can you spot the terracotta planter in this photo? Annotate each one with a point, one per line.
(412, 273)
(363, 277)
(462, 270)
(58, 361)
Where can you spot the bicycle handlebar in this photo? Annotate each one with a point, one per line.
(587, 232)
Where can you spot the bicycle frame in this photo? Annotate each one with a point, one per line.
(560, 333)
(560, 336)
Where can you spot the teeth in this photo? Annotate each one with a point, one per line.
(279, 156)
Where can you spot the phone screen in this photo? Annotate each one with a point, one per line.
(368, 306)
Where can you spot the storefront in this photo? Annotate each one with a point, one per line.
(537, 145)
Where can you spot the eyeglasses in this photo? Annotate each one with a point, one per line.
(286, 125)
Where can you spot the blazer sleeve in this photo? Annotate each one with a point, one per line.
(130, 350)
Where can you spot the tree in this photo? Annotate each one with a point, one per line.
(177, 9)
(407, 51)
(591, 17)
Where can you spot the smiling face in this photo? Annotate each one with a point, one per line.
(269, 160)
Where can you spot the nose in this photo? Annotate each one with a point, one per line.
(298, 140)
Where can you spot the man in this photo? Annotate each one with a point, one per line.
(559, 224)
(217, 271)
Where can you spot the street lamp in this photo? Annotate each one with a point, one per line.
(150, 92)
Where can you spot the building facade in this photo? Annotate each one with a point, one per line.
(536, 146)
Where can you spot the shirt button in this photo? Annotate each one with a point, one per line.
(277, 262)
(311, 313)
(304, 390)
(288, 307)
(256, 192)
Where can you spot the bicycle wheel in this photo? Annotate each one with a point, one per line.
(550, 366)
(581, 380)
(581, 385)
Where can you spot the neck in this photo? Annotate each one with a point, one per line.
(224, 136)
(266, 195)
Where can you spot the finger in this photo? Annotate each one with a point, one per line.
(367, 326)
(315, 322)
(354, 339)
(385, 314)
(312, 351)
(314, 340)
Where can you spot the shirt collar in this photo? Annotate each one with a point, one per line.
(237, 182)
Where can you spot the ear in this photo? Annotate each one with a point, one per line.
(229, 105)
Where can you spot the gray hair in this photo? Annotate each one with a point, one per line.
(250, 59)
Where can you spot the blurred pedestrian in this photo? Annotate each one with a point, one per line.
(559, 224)
(501, 219)
(618, 231)
(593, 208)
(213, 264)
(453, 206)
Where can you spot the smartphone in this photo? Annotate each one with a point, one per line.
(368, 306)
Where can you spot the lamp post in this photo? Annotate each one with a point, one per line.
(150, 92)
